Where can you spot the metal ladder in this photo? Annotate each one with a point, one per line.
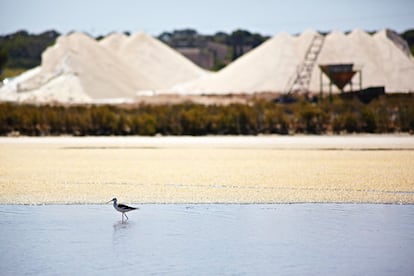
(299, 82)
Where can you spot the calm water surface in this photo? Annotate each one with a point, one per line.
(200, 239)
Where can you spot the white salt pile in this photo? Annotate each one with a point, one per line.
(79, 69)
(266, 68)
(382, 58)
(119, 67)
(113, 41)
(164, 66)
(398, 66)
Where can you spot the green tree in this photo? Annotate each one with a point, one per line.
(238, 39)
(3, 59)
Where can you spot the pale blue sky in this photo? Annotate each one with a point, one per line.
(208, 16)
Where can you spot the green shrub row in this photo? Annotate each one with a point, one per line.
(387, 114)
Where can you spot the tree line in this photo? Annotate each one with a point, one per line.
(238, 41)
(387, 114)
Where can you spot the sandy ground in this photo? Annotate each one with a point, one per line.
(269, 169)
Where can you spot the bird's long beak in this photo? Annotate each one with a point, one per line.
(109, 201)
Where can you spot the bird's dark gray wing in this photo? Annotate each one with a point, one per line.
(126, 207)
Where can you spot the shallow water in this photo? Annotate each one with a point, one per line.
(208, 239)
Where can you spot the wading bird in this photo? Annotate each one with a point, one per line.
(122, 208)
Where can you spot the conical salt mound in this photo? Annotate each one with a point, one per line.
(161, 64)
(78, 69)
(382, 60)
(398, 41)
(303, 41)
(114, 41)
(266, 68)
(398, 66)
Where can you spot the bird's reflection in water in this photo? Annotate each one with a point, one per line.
(121, 232)
(119, 225)
(121, 245)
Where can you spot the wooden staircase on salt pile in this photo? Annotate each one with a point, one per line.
(299, 82)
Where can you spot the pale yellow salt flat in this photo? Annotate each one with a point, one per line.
(94, 171)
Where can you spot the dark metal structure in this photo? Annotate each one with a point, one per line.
(340, 75)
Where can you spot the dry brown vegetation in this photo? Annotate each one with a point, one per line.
(203, 115)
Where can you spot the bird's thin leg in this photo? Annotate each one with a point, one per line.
(122, 217)
(126, 216)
